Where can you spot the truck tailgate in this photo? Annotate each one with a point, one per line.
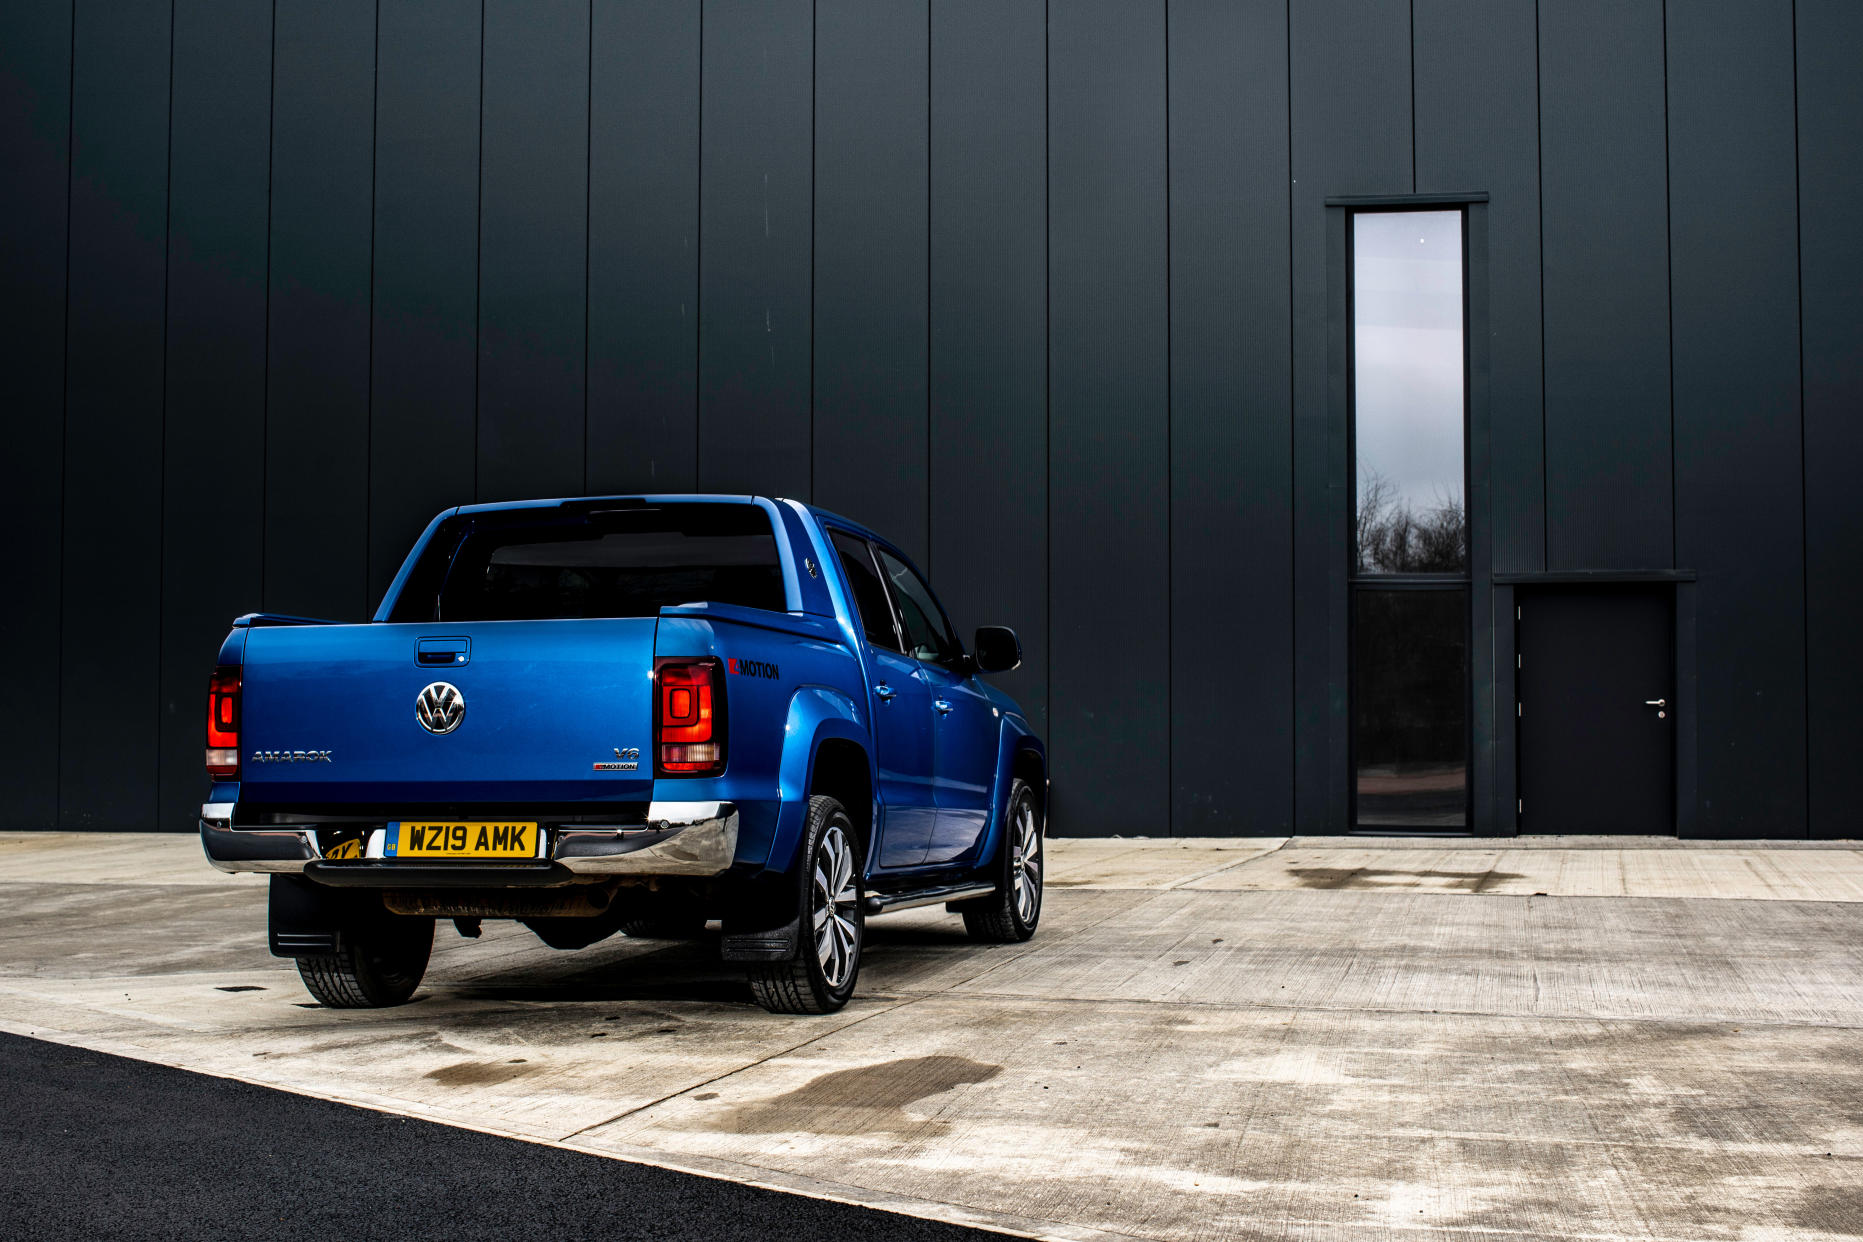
(553, 711)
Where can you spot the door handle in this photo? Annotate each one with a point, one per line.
(942, 706)
(884, 692)
(1655, 702)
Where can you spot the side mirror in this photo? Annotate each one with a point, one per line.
(997, 649)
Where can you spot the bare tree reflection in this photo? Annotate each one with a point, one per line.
(1392, 538)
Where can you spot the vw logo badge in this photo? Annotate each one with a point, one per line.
(440, 708)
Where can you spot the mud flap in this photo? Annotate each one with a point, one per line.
(761, 923)
(773, 944)
(307, 920)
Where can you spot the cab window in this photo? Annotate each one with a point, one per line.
(632, 561)
(927, 632)
(876, 615)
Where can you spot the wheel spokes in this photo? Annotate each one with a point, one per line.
(1026, 863)
(837, 895)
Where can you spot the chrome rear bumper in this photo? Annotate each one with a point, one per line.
(677, 839)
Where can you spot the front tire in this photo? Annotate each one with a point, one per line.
(820, 976)
(1009, 915)
(380, 963)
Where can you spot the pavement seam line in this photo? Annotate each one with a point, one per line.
(764, 1060)
(1176, 884)
(1279, 1007)
(1028, 947)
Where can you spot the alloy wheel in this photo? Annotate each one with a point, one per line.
(1025, 862)
(836, 898)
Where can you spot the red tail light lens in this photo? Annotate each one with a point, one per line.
(688, 717)
(223, 723)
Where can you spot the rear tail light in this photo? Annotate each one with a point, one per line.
(223, 723)
(688, 717)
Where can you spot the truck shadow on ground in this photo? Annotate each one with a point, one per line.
(675, 971)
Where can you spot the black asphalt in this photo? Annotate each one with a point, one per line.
(96, 1146)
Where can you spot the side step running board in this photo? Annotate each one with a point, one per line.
(886, 903)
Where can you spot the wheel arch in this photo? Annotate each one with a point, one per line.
(1019, 754)
(1030, 762)
(843, 770)
(822, 717)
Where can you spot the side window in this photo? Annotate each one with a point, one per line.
(876, 615)
(928, 634)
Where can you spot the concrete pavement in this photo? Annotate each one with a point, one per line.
(1553, 1037)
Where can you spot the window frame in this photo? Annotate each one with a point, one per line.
(956, 661)
(436, 557)
(1354, 576)
(873, 563)
(1357, 582)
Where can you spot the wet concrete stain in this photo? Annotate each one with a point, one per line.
(478, 1073)
(1336, 878)
(865, 1100)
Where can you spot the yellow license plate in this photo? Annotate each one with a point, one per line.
(457, 840)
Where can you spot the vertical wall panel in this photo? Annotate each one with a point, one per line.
(871, 116)
(1606, 254)
(1478, 129)
(1738, 464)
(1109, 453)
(989, 327)
(317, 420)
(35, 145)
(1830, 181)
(533, 255)
(754, 248)
(643, 247)
(424, 345)
(109, 688)
(1349, 94)
(213, 456)
(1231, 386)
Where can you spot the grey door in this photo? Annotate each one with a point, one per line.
(1596, 710)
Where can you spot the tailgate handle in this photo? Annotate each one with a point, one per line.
(442, 651)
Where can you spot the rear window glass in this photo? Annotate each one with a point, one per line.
(538, 564)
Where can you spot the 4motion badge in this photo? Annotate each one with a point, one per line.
(440, 707)
(625, 760)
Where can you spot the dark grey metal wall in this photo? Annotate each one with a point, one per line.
(1045, 290)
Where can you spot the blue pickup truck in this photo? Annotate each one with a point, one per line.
(634, 714)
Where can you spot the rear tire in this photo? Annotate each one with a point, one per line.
(1010, 914)
(820, 976)
(380, 963)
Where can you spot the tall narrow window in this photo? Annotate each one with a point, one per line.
(1409, 521)
(1408, 392)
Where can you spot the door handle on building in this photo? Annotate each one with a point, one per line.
(1655, 702)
